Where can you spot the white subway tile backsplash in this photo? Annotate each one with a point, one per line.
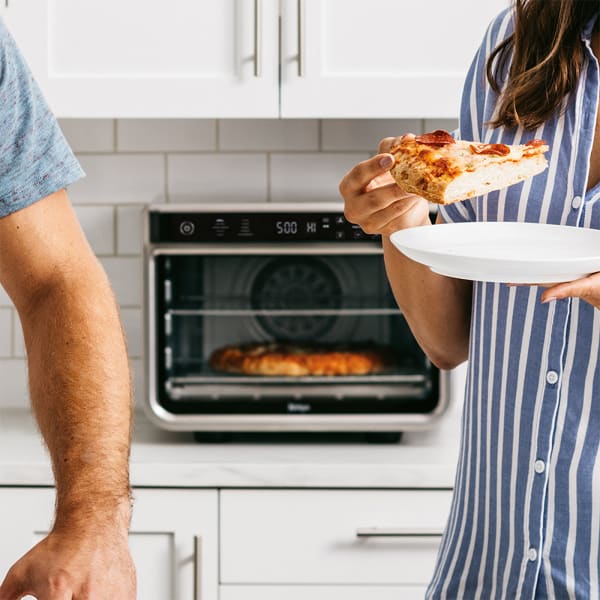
(13, 375)
(447, 124)
(363, 134)
(129, 229)
(269, 135)
(99, 227)
(6, 335)
(120, 179)
(217, 178)
(125, 274)
(4, 298)
(166, 135)
(309, 177)
(89, 135)
(137, 376)
(18, 340)
(132, 324)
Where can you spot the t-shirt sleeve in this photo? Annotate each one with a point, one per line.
(35, 158)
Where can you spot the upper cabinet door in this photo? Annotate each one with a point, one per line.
(381, 58)
(151, 58)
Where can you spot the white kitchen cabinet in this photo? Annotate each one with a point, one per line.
(315, 592)
(382, 58)
(151, 58)
(231, 58)
(173, 538)
(380, 541)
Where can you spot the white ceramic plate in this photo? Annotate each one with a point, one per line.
(503, 252)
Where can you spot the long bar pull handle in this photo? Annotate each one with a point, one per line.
(300, 31)
(257, 38)
(401, 532)
(197, 567)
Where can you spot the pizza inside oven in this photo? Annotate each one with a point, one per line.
(297, 360)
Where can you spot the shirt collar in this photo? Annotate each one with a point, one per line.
(586, 34)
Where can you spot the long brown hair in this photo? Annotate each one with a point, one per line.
(547, 56)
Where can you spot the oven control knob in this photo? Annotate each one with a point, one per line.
(187, 228)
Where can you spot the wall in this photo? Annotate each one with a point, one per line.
(131, 163)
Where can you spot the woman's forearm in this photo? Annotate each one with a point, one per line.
(437, 308)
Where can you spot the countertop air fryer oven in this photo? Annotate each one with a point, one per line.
(298, 275)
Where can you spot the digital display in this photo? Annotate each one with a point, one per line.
(295, 227)
(196, 227)
(286, 227)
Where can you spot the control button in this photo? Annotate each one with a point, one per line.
(576, 202)
(340, 235)
(340, 220)
(551, 377)
(187, 228)
(539, 466)
(532, 554)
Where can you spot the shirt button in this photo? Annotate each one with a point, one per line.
(551, 377)
(532, 554)
(539, 466)
(576, 202)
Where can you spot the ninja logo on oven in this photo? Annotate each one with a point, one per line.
(298, 407)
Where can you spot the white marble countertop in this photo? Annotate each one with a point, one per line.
(166, 459)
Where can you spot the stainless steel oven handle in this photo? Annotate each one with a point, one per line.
(400, 532)
(266, 249)
(197, 567)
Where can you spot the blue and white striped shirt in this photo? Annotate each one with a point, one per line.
(525, 519)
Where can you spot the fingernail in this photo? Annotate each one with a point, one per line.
(385, 162)
(548, 299)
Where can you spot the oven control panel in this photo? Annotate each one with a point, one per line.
(193, 227)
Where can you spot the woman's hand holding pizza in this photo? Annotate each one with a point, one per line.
(374, 201)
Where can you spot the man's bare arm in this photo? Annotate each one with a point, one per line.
(81, 396)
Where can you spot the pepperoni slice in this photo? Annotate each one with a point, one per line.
(495, 149)
(536, 143)
(435, 138)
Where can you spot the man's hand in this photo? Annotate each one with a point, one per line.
(74, 565)
(586, 288)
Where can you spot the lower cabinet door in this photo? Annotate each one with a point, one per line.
(331, 537)
(174, 542)
(173, 538)
(315, 592)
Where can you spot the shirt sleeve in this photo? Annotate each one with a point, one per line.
(35, 158)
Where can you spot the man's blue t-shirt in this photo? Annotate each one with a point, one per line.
(35, 158)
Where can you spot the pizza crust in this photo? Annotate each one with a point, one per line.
(444, 170)
(291, 360)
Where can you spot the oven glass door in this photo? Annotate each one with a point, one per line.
(298, 302)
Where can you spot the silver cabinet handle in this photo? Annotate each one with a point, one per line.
(197, 567)
(257, 38)
(402, 532)
(301, 58)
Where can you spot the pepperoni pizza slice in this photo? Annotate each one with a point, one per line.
(444, 170)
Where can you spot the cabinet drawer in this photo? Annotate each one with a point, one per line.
(323, 537)
(317, 592)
